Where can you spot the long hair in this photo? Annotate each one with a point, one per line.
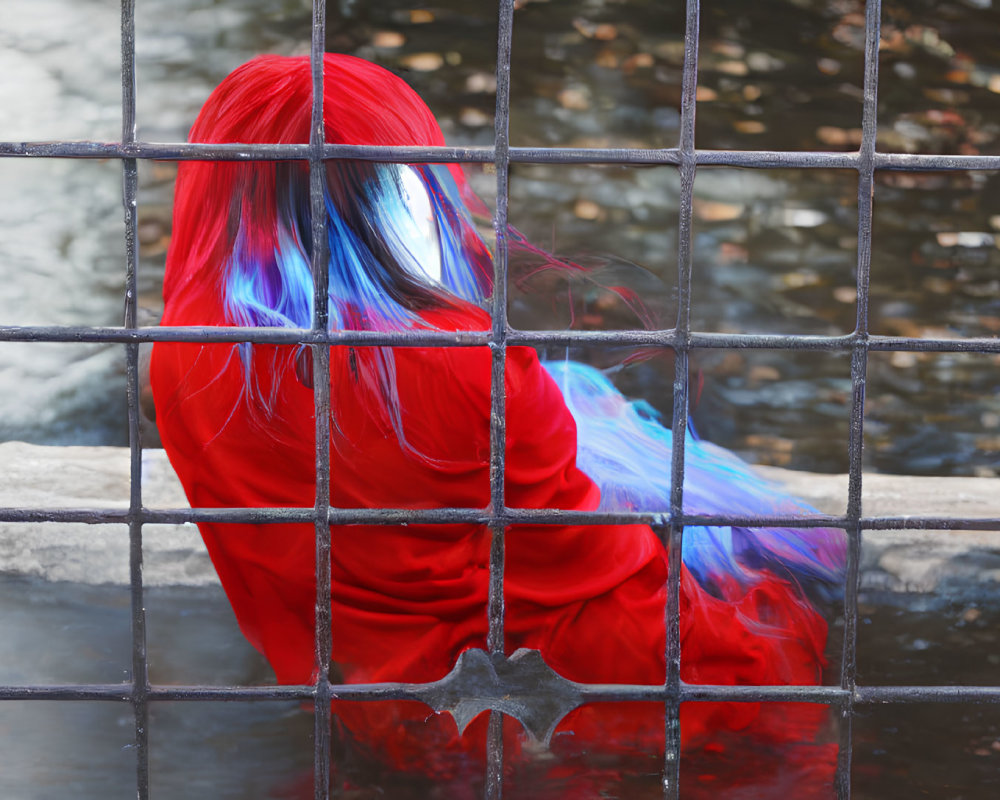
(400, 237)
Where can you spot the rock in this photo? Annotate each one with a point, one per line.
(94, 478)
(39, 477)
(912, 560)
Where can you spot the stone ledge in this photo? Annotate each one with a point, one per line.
(94, 478)
(913, 560)
(97, 477)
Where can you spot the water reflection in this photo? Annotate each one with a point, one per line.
(264, 749)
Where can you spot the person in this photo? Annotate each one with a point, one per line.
(410, 429)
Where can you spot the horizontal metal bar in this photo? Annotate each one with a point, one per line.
(119, 692)
(776, 341)
(926, 694)
(474, 516)
(225, 334)
(293, 692)
(591, 693)
(670, 338)
(945, 163)
(336, 516)
(122, 692)
(750, 159)
(87, 516)
(428, 338)
(774, 159)
(930, 523)
(401, 516)
(625, 693)
(757, 694)
(970, 345)
(183, 151)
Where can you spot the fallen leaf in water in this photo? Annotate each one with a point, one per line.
(900, 326)
(966, 239)
(828, 66)
(423, 62)
(799, 280)
(749, 126)
(729, 365)
(637, 61)
(388, 39)
(938, 285)
(760, 61)
(850, 31)
(474, 118)
(671, 51)
(605, 32)
(714, 211)
(948, 97)
(607, 59)
(838, 137)
(574, 98)
(903, 359)
(421, 16)
(737, 68)
(941, 116)
(802, 217)
(992, 324)
(770, 450)
(845, 294)
(936, 332)
(587, 209)
(892, 40)
(731, 253)
(481, 83)
(731, 50)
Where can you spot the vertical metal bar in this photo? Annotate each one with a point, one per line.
(321, 404)
(859, 369)
(498, 339)
(130, 184)
(494, 756)
(498, 399)
(689, 85)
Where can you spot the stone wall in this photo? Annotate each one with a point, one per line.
(97, 478)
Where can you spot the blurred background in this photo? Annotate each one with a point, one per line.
(775, 250)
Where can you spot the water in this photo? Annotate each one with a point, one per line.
(265, 749)
(774, 251)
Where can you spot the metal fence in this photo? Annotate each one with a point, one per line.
(681, 339)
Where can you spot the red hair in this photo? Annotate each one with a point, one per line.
(269, 101)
